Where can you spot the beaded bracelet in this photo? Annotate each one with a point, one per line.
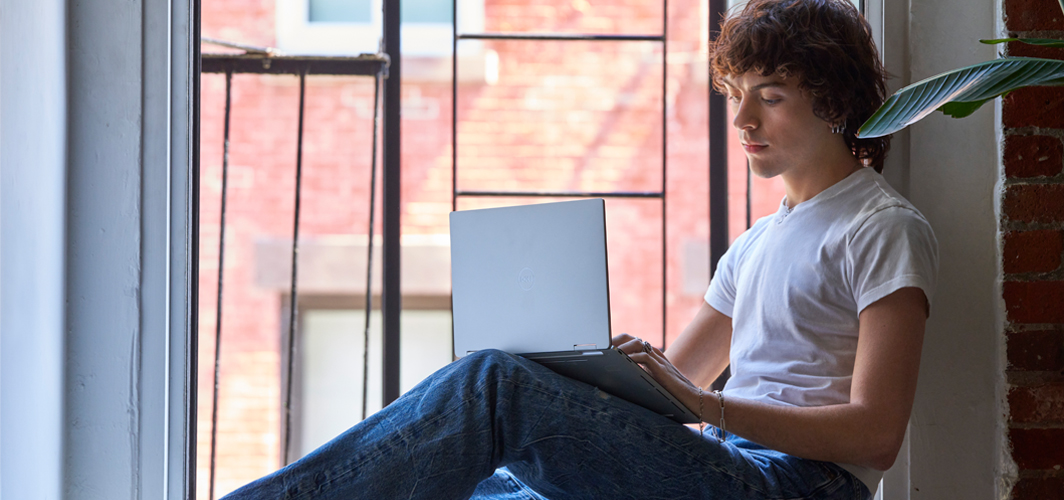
(701, 423)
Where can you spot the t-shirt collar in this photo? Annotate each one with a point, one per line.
(831, 192)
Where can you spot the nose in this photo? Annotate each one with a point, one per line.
(746, 115)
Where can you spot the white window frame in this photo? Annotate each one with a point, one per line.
(166, 434)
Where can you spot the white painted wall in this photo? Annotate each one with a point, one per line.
(95, 151)
(103, 241)
(32, 191)
(953, 174)
(127, 383)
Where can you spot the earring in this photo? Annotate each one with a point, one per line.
(838, 128)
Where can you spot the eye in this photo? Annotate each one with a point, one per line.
(770, 101)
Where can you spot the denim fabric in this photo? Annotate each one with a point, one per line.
(557, 438)
(504, 486)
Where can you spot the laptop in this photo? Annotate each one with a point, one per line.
(532, 280)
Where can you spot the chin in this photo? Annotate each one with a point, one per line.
(762, 170)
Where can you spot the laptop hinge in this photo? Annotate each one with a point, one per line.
(584, 347)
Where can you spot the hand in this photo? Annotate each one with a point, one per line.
(658, 366)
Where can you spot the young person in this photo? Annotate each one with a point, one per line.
(819, 309)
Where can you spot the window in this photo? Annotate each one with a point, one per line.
(335, 27)
(328, 369)
(329, 354)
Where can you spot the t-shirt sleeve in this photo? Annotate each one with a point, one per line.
(893, 249)
(721, 292)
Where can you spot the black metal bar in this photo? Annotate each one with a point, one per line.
(454, 106)
(749, 193)
(221, 275)
(664, 174)
(561, 194)
(192, 345)
(364, 64)
(718, 169)
(369, 246)
(391, 296)
(718, 157)
(293, 310)
(561, 37)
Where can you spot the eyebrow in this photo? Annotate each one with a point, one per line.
(767, 84)
(757, 87)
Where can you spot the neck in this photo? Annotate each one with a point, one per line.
(804, 183)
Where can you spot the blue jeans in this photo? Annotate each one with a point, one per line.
(556, 439)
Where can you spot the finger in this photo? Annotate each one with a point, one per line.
(649, 349)
(642, 359)
(622, 338)
(632, 346)
(646, 360)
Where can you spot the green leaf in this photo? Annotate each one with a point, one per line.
(1061, 5)
(977, 83)
(961, 109)
(1043, 42)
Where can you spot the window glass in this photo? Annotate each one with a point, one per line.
(426, 11)
(340, 11)
(331, 365)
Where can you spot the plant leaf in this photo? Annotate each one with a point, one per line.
(961, 109)
(1043, 42)
(977, 83)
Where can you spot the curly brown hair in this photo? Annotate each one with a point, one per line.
(826, 45)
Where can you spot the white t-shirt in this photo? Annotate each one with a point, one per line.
(795, 283)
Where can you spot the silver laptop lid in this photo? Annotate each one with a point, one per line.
(530, 278)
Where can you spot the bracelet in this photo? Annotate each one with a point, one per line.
(722, 436)
(701, 423)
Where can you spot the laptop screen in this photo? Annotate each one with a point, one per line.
(531, 278)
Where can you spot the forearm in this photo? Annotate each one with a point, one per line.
(848, 433)
(701, 351)
(701, 369)
(856, 433)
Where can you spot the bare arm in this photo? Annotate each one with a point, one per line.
(868, 430)
(701, 351)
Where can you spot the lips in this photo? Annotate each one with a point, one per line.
(754, 148)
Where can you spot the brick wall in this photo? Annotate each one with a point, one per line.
(1033, 244)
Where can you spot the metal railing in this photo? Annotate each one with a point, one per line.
(269, 61)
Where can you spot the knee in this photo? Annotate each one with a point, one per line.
(492, 357)
(493, 364)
